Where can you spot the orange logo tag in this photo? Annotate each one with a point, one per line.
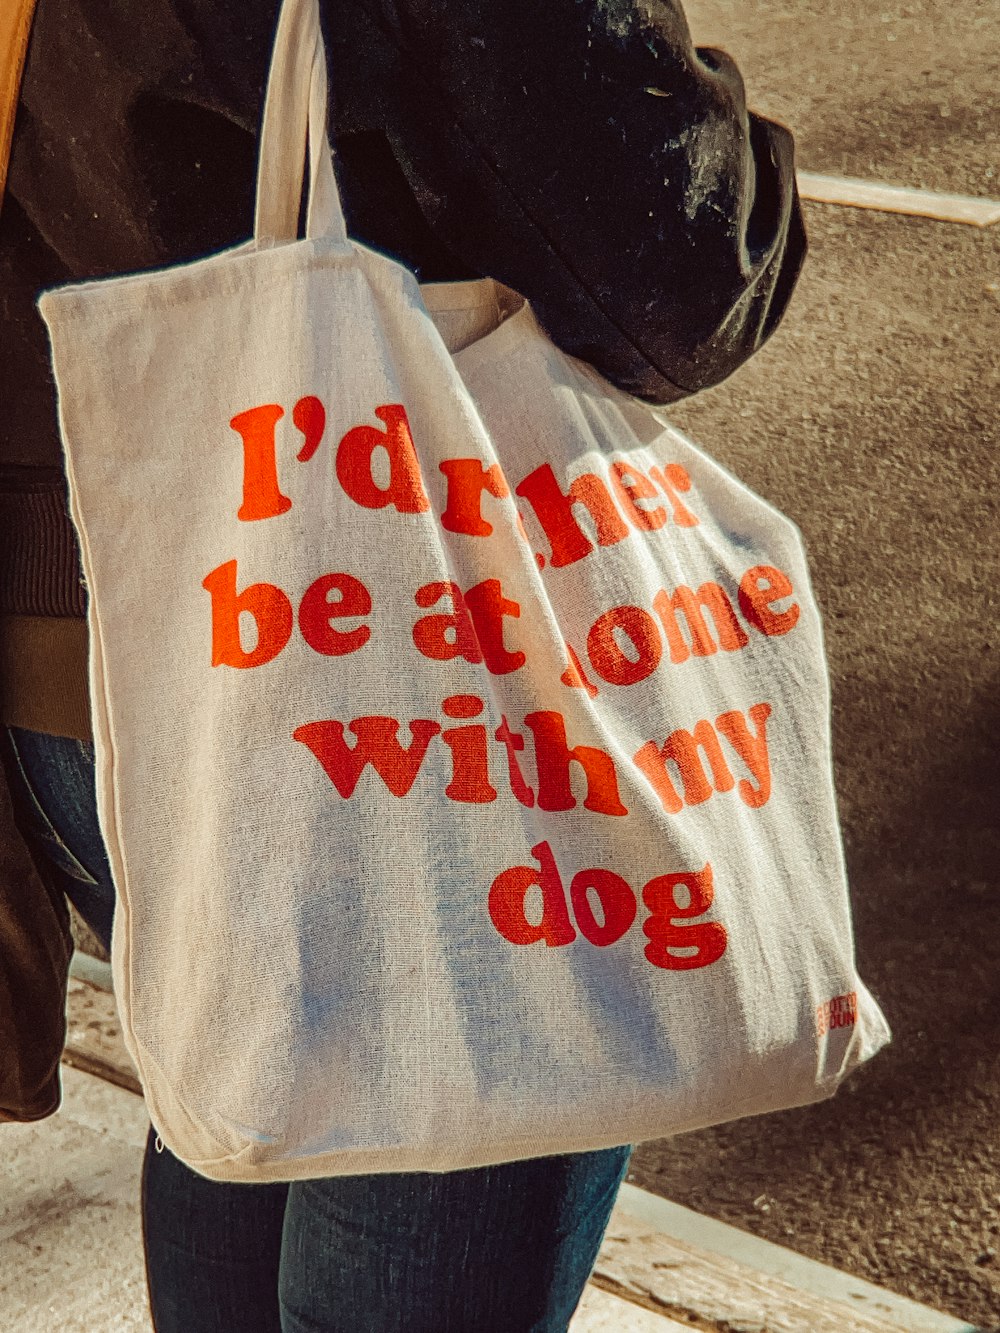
(840, 1012)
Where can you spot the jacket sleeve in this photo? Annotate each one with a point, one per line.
(586, 154)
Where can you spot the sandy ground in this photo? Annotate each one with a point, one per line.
(870, 419)
(905, 93)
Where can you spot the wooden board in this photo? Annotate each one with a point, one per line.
(93, 1036)
(708, 1292)
(852, 193)
(600, 1312)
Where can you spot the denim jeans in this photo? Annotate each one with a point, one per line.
(500, 1249)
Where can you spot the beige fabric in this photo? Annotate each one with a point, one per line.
(463, 738)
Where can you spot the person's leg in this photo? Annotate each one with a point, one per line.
(212, 1250)
(502, 1249)
(51, 781)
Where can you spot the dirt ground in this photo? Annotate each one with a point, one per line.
(871, 420)
(904, 93)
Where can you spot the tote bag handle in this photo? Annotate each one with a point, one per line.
(295, 111)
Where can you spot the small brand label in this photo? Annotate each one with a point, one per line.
(840, 1012)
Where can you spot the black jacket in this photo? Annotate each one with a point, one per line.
(580, 151)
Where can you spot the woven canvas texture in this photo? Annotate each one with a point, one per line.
(462, 729)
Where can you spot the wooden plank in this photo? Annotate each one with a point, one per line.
(706, 1291)
(709, 1236)
(90, 1064)
(850, 192)
(600, 1312)
(93, 1036)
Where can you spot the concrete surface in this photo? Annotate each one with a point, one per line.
(70, 1256)
(871, 419)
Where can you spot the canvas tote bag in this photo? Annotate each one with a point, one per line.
(463, 738)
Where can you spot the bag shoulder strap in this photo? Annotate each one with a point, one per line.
(295, 114)
(15, 28)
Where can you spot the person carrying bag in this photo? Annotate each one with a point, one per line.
(462, 758)
(519, 698)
